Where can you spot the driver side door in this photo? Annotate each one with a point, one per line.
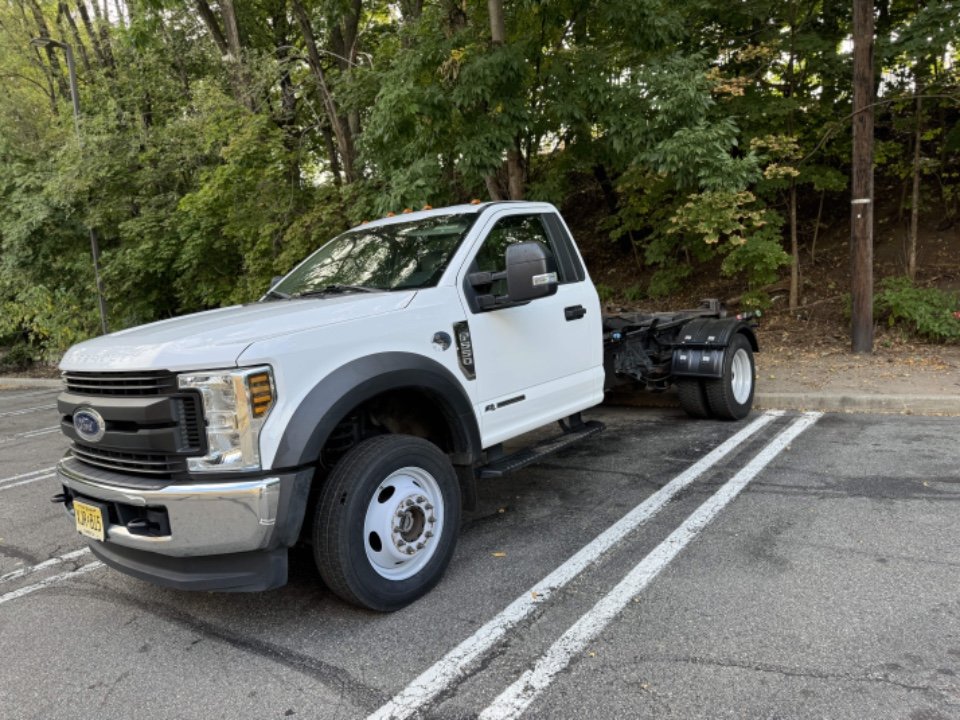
(542, 360)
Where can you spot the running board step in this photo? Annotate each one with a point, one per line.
(522, 458)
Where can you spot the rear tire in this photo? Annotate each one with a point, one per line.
(731, 397)
(386, 522)
(693, 398)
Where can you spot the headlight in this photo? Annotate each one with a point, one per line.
(235, 404)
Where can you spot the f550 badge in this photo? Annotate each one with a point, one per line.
(461, 331)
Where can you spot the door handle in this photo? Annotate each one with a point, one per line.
(574, 312)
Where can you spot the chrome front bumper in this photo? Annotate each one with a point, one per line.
(205, 518)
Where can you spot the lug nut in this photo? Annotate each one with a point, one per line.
(419, 546)
(421, 498)
(401, 543)
(400, 513)
(410, 550)
(428, 506)
(409, 502)
(432, 519)
(428, 533)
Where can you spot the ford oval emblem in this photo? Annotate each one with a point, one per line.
(89, 424)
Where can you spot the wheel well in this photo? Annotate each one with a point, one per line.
(407, 411)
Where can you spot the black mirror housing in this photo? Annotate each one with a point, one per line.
(531, 271)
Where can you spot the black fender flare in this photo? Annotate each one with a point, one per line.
(701, 344)
(364, 378)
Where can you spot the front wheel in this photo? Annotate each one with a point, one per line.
(387, 521)
(731, 397)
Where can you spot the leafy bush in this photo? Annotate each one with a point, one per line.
(605, 292)
(928, 312)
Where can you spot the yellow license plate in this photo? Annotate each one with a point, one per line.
(89, 520)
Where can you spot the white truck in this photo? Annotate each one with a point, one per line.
(355, 405)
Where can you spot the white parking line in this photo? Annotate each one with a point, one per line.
(517, 698)
(20, 592)
(24, 411)
(29, 434)
(453, 666)
(39, 567)
(33, 393)
(28, 474)
(26, 482)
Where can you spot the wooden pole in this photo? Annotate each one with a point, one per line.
(861, 207)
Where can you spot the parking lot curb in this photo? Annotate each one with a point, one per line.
(8, 382)
(819, 401)
(859, 403)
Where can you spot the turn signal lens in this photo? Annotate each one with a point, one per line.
(261, 394)
(474, 202)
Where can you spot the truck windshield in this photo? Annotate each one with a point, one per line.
(398, 256)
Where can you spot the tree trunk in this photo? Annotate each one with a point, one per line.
(498, 25)
(103, 31)
(102, 59)
(332, 154)
(210, 20)
(816, 230)
(63, 11)
(794, 251)
(231, 30)
(515, 174)
(341, 130)
(43, 31)
(493, 187)
(861, 208)
(915, 195)
(515, 171)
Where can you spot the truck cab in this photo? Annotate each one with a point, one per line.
(348, 408)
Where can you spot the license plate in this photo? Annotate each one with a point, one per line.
(90, 520)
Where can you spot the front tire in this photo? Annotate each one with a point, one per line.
(731, 397)
(387, 521)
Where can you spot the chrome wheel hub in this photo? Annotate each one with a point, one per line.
(741, 378)
(403, 523)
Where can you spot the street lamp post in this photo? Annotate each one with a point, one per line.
(75, 97)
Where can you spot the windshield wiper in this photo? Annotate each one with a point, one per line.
(277, 294)
(336, 289)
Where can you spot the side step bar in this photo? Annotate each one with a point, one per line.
(509, 463)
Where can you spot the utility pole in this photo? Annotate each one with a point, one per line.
(75, 97)
(861, 201)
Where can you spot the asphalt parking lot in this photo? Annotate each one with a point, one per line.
(789, 566)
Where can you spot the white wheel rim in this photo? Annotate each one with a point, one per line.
(403, 524)
(741, 377)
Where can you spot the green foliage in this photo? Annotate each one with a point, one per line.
(928, 312)
(205, 173)
(605, 292)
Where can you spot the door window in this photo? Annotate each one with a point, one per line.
(507, 231)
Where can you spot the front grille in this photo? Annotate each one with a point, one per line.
(136, 384)
(151, 425)
(190, 421)
(154, 464)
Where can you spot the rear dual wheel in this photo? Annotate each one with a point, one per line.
(730, 397)
(387, 521)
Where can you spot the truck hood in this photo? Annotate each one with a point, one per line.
(216, 338)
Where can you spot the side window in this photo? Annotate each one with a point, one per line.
(509, 230)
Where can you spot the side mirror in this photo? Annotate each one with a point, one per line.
(531, 272)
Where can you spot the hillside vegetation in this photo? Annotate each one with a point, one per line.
(220, 142)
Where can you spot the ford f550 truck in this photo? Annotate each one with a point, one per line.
(355, 405)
